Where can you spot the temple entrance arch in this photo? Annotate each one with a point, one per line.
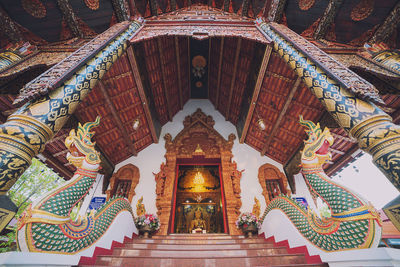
(198, 142)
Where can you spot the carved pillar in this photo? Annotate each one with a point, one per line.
(389, 59)
(25, 133)
(333, 84)
(232, 202)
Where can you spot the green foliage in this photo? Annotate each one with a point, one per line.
(7, 242)
(37, 180)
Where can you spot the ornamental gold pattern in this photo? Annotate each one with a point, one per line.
(354, 223)
(26, 132)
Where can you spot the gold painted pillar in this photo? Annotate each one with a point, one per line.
(331, 82)
(389, 59)
(25, 133)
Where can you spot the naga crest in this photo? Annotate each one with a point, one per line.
(80, 145)
(317, 144)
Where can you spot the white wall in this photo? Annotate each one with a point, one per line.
(95, 191)
(302, 191)
(148, 161)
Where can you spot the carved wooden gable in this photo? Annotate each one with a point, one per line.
(198, 132)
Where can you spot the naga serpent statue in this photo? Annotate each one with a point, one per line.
(354, 223)
(46, 225)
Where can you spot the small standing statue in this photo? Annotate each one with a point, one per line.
(256, 208)
(140, 209)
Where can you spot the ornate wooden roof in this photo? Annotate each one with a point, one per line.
(343, 21)
(244, 80)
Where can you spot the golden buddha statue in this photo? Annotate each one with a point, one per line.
(140, 209)
(197, 224)
(256, 207)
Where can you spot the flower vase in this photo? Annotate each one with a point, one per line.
(146, 230)
(249, 230)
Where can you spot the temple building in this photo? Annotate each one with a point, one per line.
(204, 116)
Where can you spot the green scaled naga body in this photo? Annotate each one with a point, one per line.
(46, 225)
(354, 223)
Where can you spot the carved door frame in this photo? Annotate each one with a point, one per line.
(198, 130)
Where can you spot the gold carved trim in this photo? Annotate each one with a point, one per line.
(17, 146)
(364, 126)
(42, 128)
(6, 217)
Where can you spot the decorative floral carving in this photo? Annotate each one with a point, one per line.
(160, 180)
(362, 10)
(236, 176)
(35, 8)
(92, 4)
(306, 4)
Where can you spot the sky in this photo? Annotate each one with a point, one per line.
(363, 177)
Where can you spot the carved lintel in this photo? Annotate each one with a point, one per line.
(327, 18)
(70, 17)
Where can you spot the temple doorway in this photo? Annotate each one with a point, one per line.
(199, 200)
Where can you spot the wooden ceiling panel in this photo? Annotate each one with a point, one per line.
(184, 67)
(171, 72)
(154, 71)
(227, 70)
(243, 71)
(215, 54)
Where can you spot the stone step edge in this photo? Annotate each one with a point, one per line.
(310, 259)
(192, 236)
(194, 243)
(208, 258)
(86, 260)
(163, 249)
